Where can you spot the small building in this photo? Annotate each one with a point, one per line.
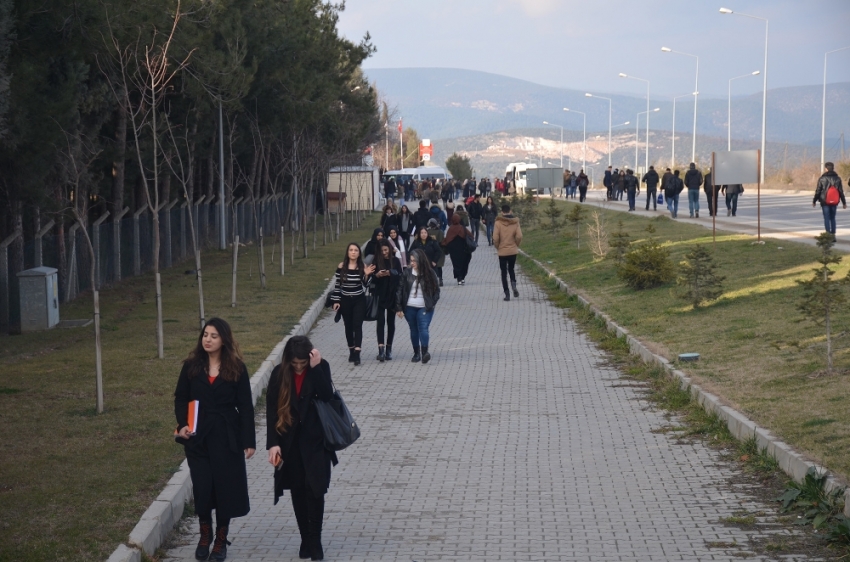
(358, 186)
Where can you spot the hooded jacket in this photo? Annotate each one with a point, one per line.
(651, 180)
(507, 236)
(693, 179)
(437, 213)
(827, 180)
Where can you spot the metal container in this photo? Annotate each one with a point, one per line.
(39, 295)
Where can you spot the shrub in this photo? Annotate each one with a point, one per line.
(619, 244)
(597, 233)
(553, 213)
(697, 277)
(648, 265)
(575, 216)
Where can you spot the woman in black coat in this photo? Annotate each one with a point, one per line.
(295, 439)
(427, 244)
(215, 376)
(388, 268)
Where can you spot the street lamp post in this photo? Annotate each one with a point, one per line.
(729, 115)
(562, 140)
(673, 150)
(823, 116)
(637, 132)
(696, 96)
(609, 123)
(764, 95)
(647, 114)
(583, 136)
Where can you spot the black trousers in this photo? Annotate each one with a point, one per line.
(651, 197)
(386, 316)
(506, 264)
(582, 194)
(353, 312)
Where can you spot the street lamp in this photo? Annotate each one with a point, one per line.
(729, 117)
(647, 114)
(637, 141)
(696, 95)
(562, 140)
(673, 150)
(609, 123)
(764, 95)
(823, 117)
(583, 135)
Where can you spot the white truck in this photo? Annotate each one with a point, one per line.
(524, 177)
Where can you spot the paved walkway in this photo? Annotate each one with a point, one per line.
(517, 442)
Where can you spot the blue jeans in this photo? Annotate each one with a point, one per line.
(475, 225)
(829, 217)
(673, 205)
(631, 195)
(693, 201)
(418, 319)
(490, 226)
(732, 202)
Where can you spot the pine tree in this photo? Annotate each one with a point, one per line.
(822, 295)
(697, 277)
(529, 210)
(648, 265)
(619, 244)
(575, 216)
(553, 212)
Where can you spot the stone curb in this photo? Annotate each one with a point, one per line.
(160, 518)
(790, 461)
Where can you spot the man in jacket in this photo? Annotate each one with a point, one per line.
(437, 213)
(651, 180)
(672, 189)
(827, 181)
(421, 216)
(693, 181)
(507, 238)
(475, 211)
(632, 188)
(607, 181)
(710, 193)
(390, 188)
(732, 191)
(582, 186)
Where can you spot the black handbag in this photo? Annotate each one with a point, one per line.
(338, 424)
(371, 304)
(471, 244)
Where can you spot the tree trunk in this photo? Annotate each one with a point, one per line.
(118, 164)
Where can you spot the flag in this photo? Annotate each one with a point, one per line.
(399, 126)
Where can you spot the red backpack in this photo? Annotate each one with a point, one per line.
(832, 196)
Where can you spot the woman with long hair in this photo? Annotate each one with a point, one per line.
(489, 215)
(397, 245)
(428, 240)
(372, 245)
(455, 245)
(404, 219)
(214, 375)
(388, 216)
(416, 297)
(295, 439)
(388, 270)
(349, 297)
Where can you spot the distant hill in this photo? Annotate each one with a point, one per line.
(443, 103)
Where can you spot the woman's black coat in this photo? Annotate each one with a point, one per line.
(385, 287)
(305, 433)
(225, 429)
(430, 247)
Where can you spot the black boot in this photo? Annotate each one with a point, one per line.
(299, 506)
(203, 550)
(507, 295)
(356, 357)
(316, 512)
(219, 549)
(425, 355)
(351, 355)
(381, 357)
(416, 357)
(513, 286)
(388, 353)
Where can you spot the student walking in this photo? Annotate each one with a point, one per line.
(732, 192)
(428, 240)
(693, 181)
(672, 189)
(476, 211)
(711, 193)
(416, 297)
(397, 244)
(455, 244)
(582, 186)
(404, 219)
(489, 213)
(349, 298)
(507, 238)
(388, 270)
(619, 184)
(296, 441)
(214, 375)
(829, 193)
(650, 178)
(632, 188)
(372, 245)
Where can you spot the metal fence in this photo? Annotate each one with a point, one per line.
(125, 248)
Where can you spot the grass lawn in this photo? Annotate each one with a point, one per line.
(72, 483)
(756, 350)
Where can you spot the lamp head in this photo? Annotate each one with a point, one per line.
(696, 93)
(656, 109)
(588, 95)
(623, 75)
(546, 122)
(667, 49)
(757, 72)
(566, 109)
(726, 11)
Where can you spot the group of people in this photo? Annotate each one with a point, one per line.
(575, 182)
(447, 190)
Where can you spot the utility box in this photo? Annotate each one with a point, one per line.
(39, 290)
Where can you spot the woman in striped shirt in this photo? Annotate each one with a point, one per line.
(349, 298)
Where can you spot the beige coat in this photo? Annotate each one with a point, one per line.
(507, 236)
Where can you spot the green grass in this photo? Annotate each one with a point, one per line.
(756, 351)
(73, 483)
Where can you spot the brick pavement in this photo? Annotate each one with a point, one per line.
(517, 442)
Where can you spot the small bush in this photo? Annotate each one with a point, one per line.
(697, 277)
(597, 234)
(619, 244)
(647, 266)
(575, 216)
(553, 213)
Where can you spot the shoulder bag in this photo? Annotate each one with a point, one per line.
(338, 424)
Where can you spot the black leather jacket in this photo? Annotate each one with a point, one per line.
(824, 182)
(404, 288)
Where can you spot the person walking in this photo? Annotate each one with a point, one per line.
(372, 245)
(489, 213)
(397, 245)
(455, 245)
(828, 193)
(416, 298)
(388, 270)
(439, 215)
(388, 216)
(428, 240)
(463, 215)
(422, 216)
(349, 298)
(619, 184)
(711, 193)
(608, 182)
(573, 185)
(390, 188)
(475, 211)
(507, 238)
(693, 181)
(732, 192)
(672, 189)
(582, 186)
(632, 188)
(215, 377)
(650, 178)
(295, 439)
(404, 219)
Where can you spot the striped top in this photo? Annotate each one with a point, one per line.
(348, 284)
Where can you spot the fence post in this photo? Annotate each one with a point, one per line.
(183, 230)
(236, 217)
(137, 250)
(4, 280)
(95, 283)
(116, 243)
(38, 236)
(72, 285)
(168, 261)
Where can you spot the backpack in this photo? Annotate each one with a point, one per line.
(832, 196)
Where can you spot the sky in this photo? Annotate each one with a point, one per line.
(585, 44)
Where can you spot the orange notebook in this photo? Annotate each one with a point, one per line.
(192, 418)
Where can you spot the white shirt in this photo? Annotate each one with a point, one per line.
(416, 299)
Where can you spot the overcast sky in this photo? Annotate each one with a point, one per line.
(584, 44)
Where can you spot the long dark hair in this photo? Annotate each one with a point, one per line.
(380, 262)
(298, 347)
(425, 273)
(231, 356)
(361, 267)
